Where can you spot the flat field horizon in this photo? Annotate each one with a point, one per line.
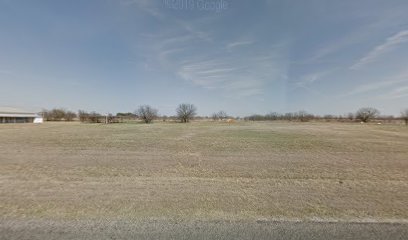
(203, 170)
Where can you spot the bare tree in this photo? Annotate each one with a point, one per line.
(92, 117)
(52, 115)
(69, 116)
(58, 114)
(126, 115)
(366, 114)
(147, 113)
(404, 115)
(219, 115)
(185, 112)
(83, 115)
(272, 116)
(303, 116)
(350, 116)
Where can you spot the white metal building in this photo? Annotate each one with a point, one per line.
(14, 115)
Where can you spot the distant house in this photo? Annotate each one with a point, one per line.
(13, 115)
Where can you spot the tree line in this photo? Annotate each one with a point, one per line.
(363, 114)
(186, 112)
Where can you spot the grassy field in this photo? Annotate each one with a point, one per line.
(205, 170)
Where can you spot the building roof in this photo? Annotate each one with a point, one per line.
(15, 112)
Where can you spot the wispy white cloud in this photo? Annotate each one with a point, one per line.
(399, 92)
(309, 79)
(169, 49)
(334, 47)
(242, 78)
(393, 81)
(177, 40)
(362, 33)
(373, 86)
(166, 54)
(329, 49)
(389, 44)
(194, 31)
(187, 51)
(238, 44)
(144, 5)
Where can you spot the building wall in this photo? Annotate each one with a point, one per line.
(16, 119)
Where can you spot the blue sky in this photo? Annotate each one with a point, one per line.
(243, 57)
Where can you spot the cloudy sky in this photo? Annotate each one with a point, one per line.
(243, 57)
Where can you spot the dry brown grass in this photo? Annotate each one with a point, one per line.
(204, 170)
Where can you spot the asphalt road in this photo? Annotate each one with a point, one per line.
(164, 229)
